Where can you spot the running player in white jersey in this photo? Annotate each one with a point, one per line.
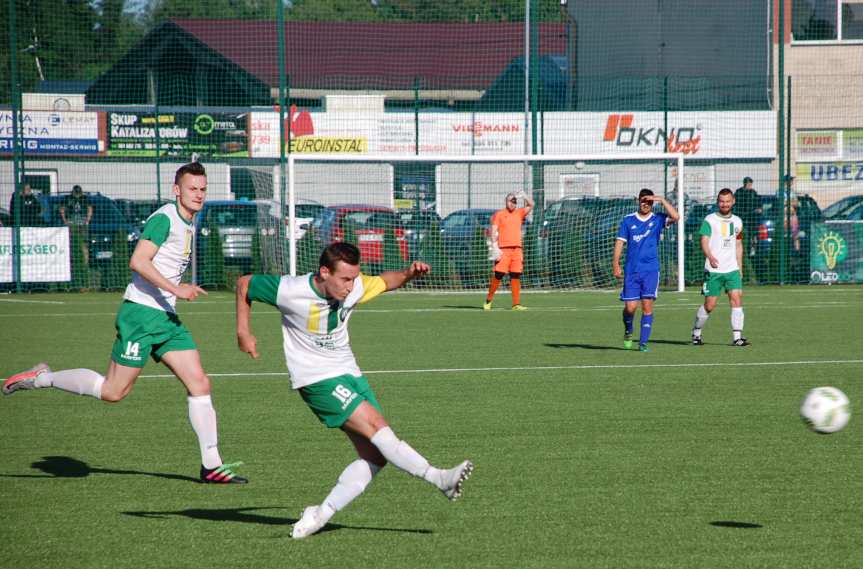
(315, 311)
(722, 243)
(147, 325)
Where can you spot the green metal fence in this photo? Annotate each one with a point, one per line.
(114, 96)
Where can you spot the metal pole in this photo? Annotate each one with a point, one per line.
(780, 225)
(537, 169)
(17, 146)
(789, 201)
(158, 146)
(681, 231)
(284, 139)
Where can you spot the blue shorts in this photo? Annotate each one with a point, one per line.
(640, 285)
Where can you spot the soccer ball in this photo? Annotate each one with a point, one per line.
(825, 410)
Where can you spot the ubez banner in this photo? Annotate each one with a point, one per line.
(837, 253)
(43, 251)
(54, 132)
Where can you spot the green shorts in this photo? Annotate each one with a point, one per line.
(333, 400)
(142, 331)
(715, 282)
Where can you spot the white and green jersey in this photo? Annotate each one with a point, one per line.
(173, 234)
(724, 232)
(315, 329)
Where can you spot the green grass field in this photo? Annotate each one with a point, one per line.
(586, 455)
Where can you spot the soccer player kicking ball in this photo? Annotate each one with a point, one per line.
(722, 243)
(640, 232)
(147, 324)
(315, 311)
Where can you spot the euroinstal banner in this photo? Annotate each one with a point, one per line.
(43, 251)
(54, 132)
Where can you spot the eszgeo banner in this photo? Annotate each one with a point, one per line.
(44, 254)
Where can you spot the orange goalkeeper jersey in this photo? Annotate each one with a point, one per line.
(508, 225)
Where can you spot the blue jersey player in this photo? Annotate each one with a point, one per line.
(640, 231)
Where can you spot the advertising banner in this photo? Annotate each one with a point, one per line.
(815, 145)
(388, 133)
(55, 132)
(708, 134)
(44, 254)
(180, 134)
(836, 255)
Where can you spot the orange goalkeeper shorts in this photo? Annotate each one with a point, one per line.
(511, 261)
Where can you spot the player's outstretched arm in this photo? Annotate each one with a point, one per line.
(246, 341)
(142, 263)
(397, 279)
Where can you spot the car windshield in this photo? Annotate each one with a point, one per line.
(232, 215)
(842, 207)
(307, 210)
(370, 219)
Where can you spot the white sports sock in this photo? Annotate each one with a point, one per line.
(352, 482)
(701, 317)
(404, 457)
(737, 322)
(202, 415)
(80, 381)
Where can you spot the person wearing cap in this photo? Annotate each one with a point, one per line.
(77, 212)
(747, 205)
(25, 208)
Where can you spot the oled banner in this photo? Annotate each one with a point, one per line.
(43, 251)
(836, 255)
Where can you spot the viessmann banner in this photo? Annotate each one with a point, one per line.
(44, 254)
(179, 134)
(54, 132)
(750, 134)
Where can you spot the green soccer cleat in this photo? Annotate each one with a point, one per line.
(222, 475)
(627, 341)
(486, 305)
(643, 348)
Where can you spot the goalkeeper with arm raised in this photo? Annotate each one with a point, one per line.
(506, 247)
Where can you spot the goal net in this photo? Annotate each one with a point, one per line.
(438, 209)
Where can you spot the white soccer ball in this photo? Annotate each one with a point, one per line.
(825, 410)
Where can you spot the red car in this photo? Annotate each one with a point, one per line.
(370, 225)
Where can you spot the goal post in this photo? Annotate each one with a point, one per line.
(435, 207)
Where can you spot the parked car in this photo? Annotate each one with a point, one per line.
(370, 225)
(765, 259)
(463, 235)
(417, 225)
(305, 211)
(5, 218)
(236, 222)
(137, 211)
(843, 207)
(853, 212)
(106, 225)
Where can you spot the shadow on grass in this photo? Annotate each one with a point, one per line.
(67, 467)
(244, 515)
(736, 525)
(463, 306)
(587, 347)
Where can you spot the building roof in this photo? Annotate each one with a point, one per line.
(224, 62)
(451, 55)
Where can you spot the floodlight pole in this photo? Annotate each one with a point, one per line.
(17, 145)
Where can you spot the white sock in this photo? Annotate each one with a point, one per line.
(701, 317)
(737, 322)
(79, 381)
(202, 415)
(404, 457)
(352, 482)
